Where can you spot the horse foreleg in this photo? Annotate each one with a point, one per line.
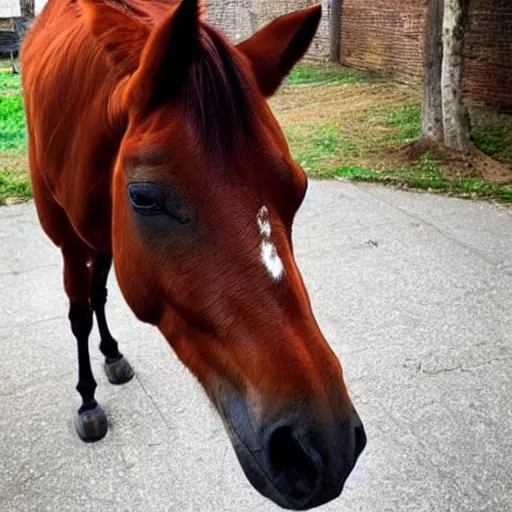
(117, 367)
(91, 422)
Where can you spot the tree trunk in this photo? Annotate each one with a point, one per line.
(432, 108)
(455, 114)
(335, 30)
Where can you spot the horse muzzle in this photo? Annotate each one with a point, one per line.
(296, 461)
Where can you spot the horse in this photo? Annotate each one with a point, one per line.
(152, 146)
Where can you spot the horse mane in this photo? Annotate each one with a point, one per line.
(217, 96)
(215, 90)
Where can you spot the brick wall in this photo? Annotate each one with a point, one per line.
(384, 35)
(388, 35)
(488, 53)
(238, 19)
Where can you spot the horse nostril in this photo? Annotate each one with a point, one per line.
(360, 438)
(295, 471)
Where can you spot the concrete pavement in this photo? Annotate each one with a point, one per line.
(414, 293)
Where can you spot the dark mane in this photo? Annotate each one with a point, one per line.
(216, 96)
(214, 88)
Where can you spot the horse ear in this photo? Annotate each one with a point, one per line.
(276, 48)
(167, 56)
(119, 33)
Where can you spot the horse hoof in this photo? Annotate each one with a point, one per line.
(91, 425)
(118, 371)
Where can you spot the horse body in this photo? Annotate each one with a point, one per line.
(69, 91)
(151, 142)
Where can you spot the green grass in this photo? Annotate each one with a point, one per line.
(318, 148)
(495, 139)
(492, 136)
(490, 140)
(9, 82)
(322, 151)
(12, 122)
(474, 188)
(356, 172)
(407, 122)
(327, 73)
(14, 184)
(427, 175)
(327, 140)
(14, 178)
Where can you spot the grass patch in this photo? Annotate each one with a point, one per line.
(12, 122)
(327, 73)
(318, 149)
(495, 138)
(492, 133)
(9, 82)
(407, 122)
(427, 175)
(356, 172)
(14, 185)
(360, 133)
(490, 140)
(14, 177)
(474, 188)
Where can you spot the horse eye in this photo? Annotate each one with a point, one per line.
(145, 198)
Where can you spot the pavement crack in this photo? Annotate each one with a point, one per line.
(441, 370)
(486, 363)
(463, 368)
(155, 405)
(27, 271)
(372, 348)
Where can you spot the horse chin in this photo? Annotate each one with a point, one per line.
(235, 416)
(258, 478)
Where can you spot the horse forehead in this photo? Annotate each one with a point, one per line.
(260, 170)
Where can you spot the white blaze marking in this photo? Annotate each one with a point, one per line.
(271, 260)
(263, 222)
(269, 255)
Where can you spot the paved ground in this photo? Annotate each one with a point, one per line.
(413, 291)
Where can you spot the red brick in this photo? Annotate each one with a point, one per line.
(388, 36)
(384, 35)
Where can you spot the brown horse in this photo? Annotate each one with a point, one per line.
(151, 143)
